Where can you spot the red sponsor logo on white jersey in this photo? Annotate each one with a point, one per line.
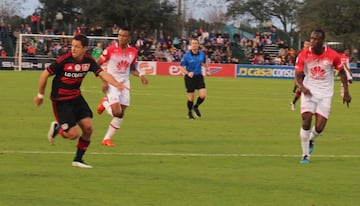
(317, 73)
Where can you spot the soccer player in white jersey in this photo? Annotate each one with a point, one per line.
(314, 75)
(121, 59)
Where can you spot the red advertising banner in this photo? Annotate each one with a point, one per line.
(171, 68)
(223, 70)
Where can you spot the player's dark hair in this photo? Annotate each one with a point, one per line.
(82, 38)
(320, 31)
(125, 28)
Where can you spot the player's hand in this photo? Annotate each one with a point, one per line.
(306, 91)
(121, 86)
(347, 99)
(208, 73)
(190, 74)
(105, 87)
(38, 101)
(144, 81)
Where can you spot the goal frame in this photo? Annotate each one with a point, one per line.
(19, 53)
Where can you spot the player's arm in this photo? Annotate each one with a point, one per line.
(344, 81)
(41, 88)
(111, 80)
(185, 71)
(100, 62)
(299, 75)
(348, 72)
(206, 66)
(137, 73)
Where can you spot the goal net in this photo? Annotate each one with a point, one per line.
(37, 51)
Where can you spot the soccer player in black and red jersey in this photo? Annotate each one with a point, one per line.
(71, 110)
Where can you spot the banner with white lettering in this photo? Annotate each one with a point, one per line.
(264, 71)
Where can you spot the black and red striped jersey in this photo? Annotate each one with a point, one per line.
(69, 74)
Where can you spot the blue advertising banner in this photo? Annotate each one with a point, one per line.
(264, 71)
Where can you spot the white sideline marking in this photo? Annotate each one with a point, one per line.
(176, 154)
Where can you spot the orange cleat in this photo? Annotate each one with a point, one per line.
(108, 143)
(101, 108)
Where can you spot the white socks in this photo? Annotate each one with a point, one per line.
(107, 106)
(313, 134)
(305, 138)
(113, 127)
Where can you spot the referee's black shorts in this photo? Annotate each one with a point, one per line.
(196, 82)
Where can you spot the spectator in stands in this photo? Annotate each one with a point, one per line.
(258, 58)
(30, 50)
(35, 19)
(273, 35)
(114, 30)
(291, 57)
(77, 31)
(237, 38)
(98, 30)
(48, 26)
(2, 51)
(176, 42)
(97, 51)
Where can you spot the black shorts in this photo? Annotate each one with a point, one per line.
(197, 82)
(69, 112)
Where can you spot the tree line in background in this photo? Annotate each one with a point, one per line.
(296, 17)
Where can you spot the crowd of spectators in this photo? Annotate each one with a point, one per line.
(218, 45)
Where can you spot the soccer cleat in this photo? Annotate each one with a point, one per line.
(305, 159)
(53, 131)
(197, 111)
(108, 143)
(101, 108)
(311, 146)
(81, 164)
(190, 115)
(292, 106)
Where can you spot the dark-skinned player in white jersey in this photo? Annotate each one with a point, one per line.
(314, 75)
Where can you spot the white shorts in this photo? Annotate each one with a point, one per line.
(315, 105)
(116, 96)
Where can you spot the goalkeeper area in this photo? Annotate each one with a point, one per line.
(37, 51)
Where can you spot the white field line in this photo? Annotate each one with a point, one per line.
(177, 154)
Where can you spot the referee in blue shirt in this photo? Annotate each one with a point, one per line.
(191, 65)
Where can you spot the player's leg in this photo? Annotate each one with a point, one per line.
(83, 142)
(115, 124)
(305, 136)
(190, 88)
(202, 94)
(118, 104)
(321, 117)
(190, 104)
(65, 123)
(308, 107)
(84, 116)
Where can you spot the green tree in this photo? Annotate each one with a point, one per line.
(338, 18)
(261, 11)
(10, 9)
(136, 14)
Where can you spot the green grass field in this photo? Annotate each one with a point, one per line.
(244, 151)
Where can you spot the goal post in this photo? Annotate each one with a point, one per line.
(37, 51)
